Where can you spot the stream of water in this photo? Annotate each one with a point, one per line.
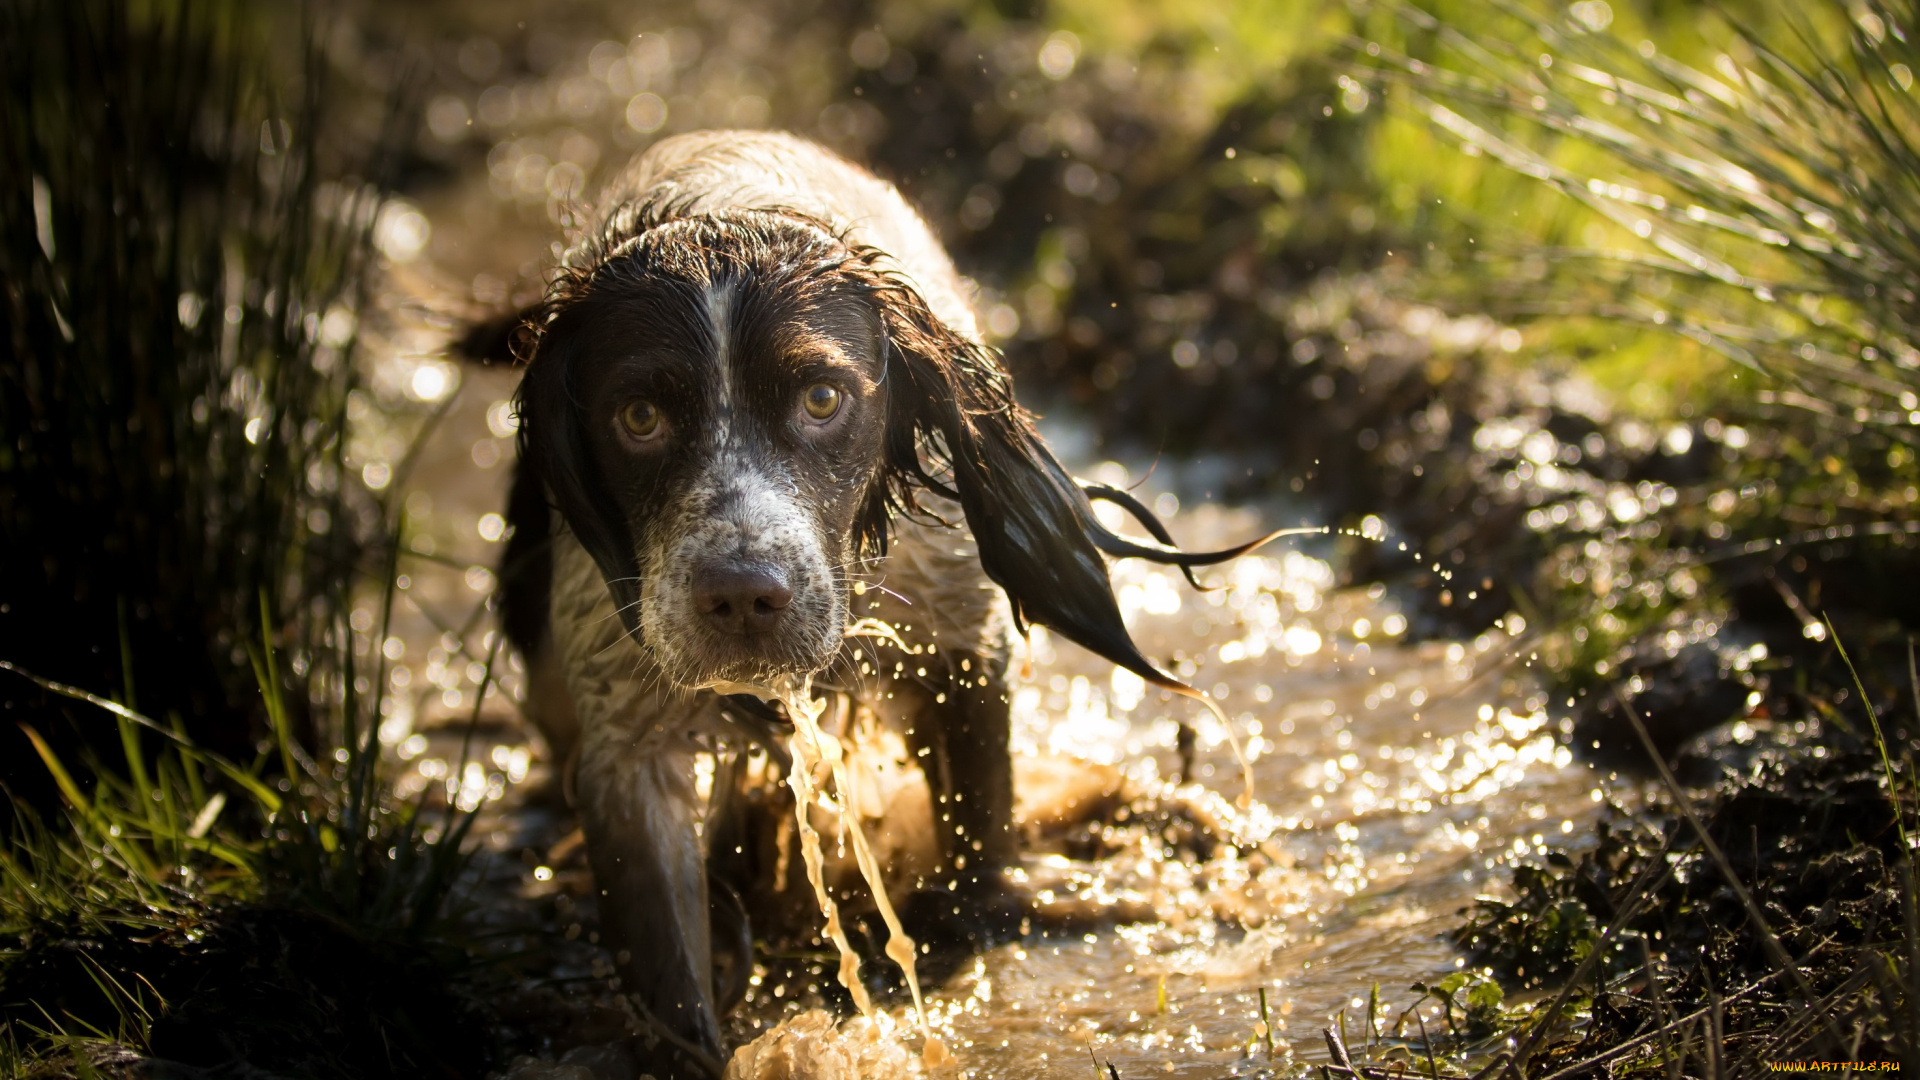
(1391, 780)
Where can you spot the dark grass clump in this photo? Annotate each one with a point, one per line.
(183, 251)
(1785, 933)
(204, 865)
(187, 910)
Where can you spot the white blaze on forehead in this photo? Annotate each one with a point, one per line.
(719, 315)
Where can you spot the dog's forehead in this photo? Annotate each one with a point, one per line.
(731, 341)
(739, 294)
(765, 252)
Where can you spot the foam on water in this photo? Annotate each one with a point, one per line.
(812, 1047)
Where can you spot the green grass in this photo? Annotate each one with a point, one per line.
(184, 232)
(1759, 204)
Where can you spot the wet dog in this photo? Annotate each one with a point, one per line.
(757, 410)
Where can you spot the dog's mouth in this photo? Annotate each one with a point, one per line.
(744, 590)
(722, 662)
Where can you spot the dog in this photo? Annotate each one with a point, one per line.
(757, 409)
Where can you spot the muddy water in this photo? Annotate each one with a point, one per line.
(1392, 780)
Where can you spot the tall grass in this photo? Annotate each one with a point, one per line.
(204, 861)
(1764, 208)
(184, 246)
(1746, 271)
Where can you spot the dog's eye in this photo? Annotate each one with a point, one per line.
(821, 401)
(641, 419)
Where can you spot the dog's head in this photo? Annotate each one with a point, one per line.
(728, 409)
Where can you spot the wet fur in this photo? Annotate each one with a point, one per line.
(721, 272)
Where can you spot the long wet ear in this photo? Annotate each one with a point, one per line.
(553, 444)
(955, 429)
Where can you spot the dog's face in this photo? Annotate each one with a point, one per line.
(727, 408)
(731, 398)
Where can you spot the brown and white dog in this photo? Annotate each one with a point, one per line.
(754, 387)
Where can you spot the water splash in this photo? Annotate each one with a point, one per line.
(811, 747)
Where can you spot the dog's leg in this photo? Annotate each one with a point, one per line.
(948, 695)
(634, 786)
(961, 744)
(639, 808)
(729, 877)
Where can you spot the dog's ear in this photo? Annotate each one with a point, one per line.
(955, 429)
(553, 443)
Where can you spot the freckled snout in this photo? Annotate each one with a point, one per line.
(740, 598)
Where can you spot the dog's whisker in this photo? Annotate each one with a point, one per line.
(876, 586)
(617, 639)
(855, 677)
(864, 561)
(619, 611)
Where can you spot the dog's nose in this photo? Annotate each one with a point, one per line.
(741, 598)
